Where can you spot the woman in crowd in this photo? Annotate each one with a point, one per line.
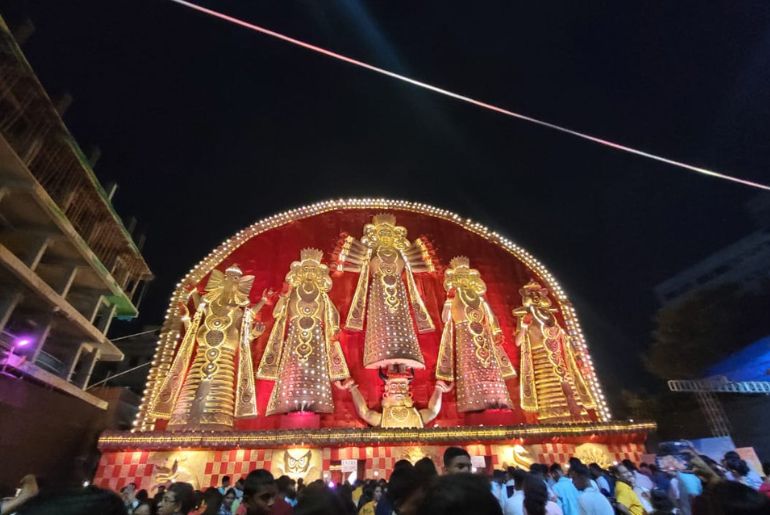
(536, 500)
(374, 494)
(227, 502)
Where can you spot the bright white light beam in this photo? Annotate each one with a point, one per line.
(463, 98)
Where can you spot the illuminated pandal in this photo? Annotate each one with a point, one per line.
(171, 329)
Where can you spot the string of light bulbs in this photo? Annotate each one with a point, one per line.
(469, 100)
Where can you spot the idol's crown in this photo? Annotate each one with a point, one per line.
(234, 270)
(459, 261)
(384, 218)
(532, 285)
(312, 254)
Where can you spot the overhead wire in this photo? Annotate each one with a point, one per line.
(469, 100)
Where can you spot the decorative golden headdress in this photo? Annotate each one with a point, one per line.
(231, 284)
(384, 218)
(459, 261)
(311, 254)
(533, 285)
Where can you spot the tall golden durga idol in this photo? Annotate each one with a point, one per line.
(472, 339)
(386, 262)
(553, 383)
(211, 389)
(303, 355)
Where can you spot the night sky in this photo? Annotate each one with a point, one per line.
(208, 127)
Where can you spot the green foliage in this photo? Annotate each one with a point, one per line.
(706, 327)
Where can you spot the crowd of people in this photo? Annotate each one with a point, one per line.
(575, 488)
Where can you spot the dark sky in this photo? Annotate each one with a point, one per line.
(208, 127)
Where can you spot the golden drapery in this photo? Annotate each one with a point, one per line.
(303, 355)
(386, 262)
(470, 353)
(217, 386)
(552, 383)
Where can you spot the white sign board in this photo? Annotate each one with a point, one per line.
(349, 466)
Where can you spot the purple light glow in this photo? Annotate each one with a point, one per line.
(22, 342)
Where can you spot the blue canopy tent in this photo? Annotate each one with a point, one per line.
(751, 363)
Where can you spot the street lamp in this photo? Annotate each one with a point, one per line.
(18, 343)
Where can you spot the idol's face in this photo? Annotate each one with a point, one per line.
(396, 392)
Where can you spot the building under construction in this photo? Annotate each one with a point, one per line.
(68, 267)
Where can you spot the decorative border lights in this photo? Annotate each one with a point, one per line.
(171, 329)
(163, 440)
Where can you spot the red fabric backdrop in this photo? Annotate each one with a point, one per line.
(267, 256)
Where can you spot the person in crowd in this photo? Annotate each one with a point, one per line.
(300, 485)
(604, 482)
(178, 499)
(239, 489)
(662, 503)
(540, 471)
(509, 482)
(158, 495)
(642, 486)
(660, 478)
(385, 506)
(318, 499)
(459, 494)
(565, 491)
(374, 494)
(498, 486)
(590, 499)
(514, 504)
(640, 479)
(367, 493)
(722, 496)
(259, 493)
(227, 503)
(426, 469)
(765, 487)
(144, 508)
(225, 485)
(683, 488)
(358, 490)
(345, 493)
(627, 501)
(128, 493)
(738, 470)
(536, 501)
(28, 489)
(212, 501)
(405, 491)
(644, 468)
(199, 503)
(77, 501)
(284, 486)
(142, 496)
(456, 461)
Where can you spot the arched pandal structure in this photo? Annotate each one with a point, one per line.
(368, 329)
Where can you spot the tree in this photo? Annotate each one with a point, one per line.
(696, 333)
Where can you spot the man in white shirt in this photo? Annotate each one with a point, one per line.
(498, 487)
(514, 505)
(591, 501)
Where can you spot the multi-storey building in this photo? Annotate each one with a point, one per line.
(68, 267)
